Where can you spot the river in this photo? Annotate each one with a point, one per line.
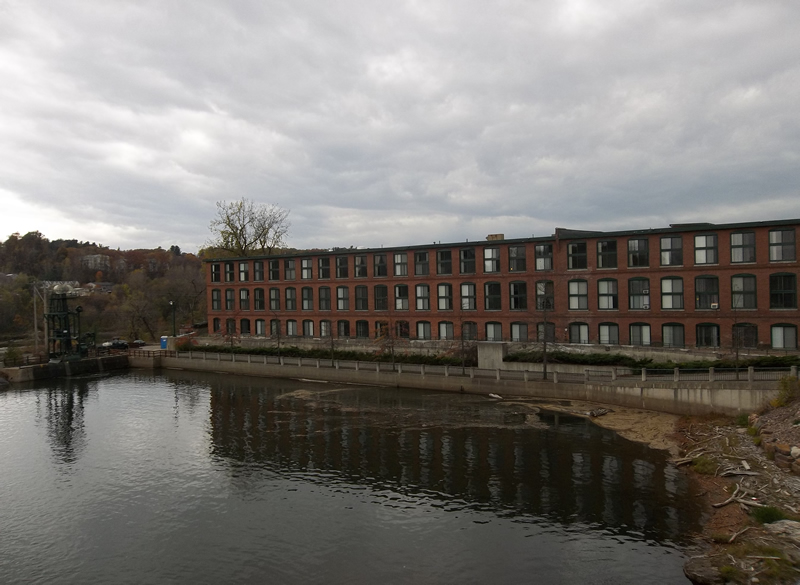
(182, 477)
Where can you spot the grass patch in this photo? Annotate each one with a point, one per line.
(768, 514)
(752, 431)
(731, 573)
(742, 420)
(757, 441)
(705, 465)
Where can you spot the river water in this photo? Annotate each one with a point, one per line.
(195, 478)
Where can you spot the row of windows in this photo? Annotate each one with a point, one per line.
(782, 295)
(745, 335)
(422, 263)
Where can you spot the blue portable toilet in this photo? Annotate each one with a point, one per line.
(164, 341)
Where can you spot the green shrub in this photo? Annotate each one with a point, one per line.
(757, 441)
(704, 465)
(742, 420)
(752, 431)
(768, 514)
(787, 392)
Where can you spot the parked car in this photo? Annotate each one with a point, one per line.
(116, 343)
(137, 343)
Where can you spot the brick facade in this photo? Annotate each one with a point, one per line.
(686, 285)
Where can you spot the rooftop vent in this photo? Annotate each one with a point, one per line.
(492, 237)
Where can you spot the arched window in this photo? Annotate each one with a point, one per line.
(423, 330)
(609, 333)
(578, 333)
(244, 299)
(639, 293)
(494, 331)
(745, 335)
(707, 335)
(672, 335)
(291, 328)
(607, 294)
(578, 295)
(307, 294)
(291, 299)
(244, 326)
(783, 336)
(308, 328)
(639, 334)
(492, 300)
(446, 330)
(261, 329)
(519, 331)
(362, 329)
(518, 296)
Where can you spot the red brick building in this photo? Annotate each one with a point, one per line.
(702, 285)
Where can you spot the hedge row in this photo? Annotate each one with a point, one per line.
(624, 361)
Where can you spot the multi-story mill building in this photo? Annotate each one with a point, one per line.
(690, 285)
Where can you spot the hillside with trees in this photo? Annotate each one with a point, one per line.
(126, 292)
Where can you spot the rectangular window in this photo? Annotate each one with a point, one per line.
(578, 333)
(258, 299)
(342, 298)
(379, 265)
(707, 335)
(445, 297)
(518, 293)
(672, 293)
(743, 292)
(609, 334)
(244, 299)
(229, 299)
(401, 264)
(216, 324)
(291, 328)
(607, 254)
(446, 330)
(341, 267)
(444, 262)
(519, 332)
(401, 297)
(784, 336)
(258, 271)
(325, 328)
(343, 328)
(545, 298)
(324, 298)
(672, 251)
(546, 331)
(782, 245)
(324, 268)
(245, 326)
(672, 335)
(362, 298)
(308, 328)
(544, 256)
(381, 297)
(492, 293)
(274, 299)
(216, 275)
(516, 259)
(305, 269)
(244, 271)
(307, 300)
(576, 256)
(421, 267)
(743, 247)
(640, 334)
(229, 272)
(783, 291)
(491, 260)
(275, 327)
(494, 332)
(402, 329)
(423, 330)
(705, 249)
(638, 253)
(290, 299)
(362, 329)
(216, 300)
(274, 270)
(289, 270)
(423, 297)
(706, 292)
(607, 296)
(469, 330)
(360, 266)
(467, 260)
(578, 295)
(639, 293)
(261, 329)
(468, 302)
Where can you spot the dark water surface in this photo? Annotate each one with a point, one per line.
(196, 478)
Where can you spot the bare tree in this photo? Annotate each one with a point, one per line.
(245, 227)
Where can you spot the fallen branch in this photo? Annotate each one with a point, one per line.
(735, 536)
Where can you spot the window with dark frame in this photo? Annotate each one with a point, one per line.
(609, 333)
(259, 300)
(401, 297)
(639, 293)
(421, 265)
(324, 268)
(216, 300)
(672, 335)
(607, 295)
(743, 291)
(638, 253)
(783, 291)
(706, 292)
(705, 249)
(423, 297)
(230, 299)
(444, 262)
(258, 271)
(782, 245)
(576, 256)
(360, 266)
(444, 297)
(743, 247)
(274, 299)
(468, 297)
(544, 256)
(216, 274)
(639, 334)
(578, 333)
(545, 297)
(307, 298)
(492, 296)
(578, 295)
(229, 272)
(274, 270)
(381, 293)
(707, 335)
(362, 298)
(289, 271)
(783, 336)
(379, 266)
(672, 292)
(607, 254)
(342, 299)
(518, 296)
(516, 259)
(290, 299)
(491, 260)
(305, 269)
(342, 267)
(401, 264)
(466, 260)
(324, 298)
(672, 251)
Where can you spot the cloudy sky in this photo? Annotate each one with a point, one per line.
(389, 123)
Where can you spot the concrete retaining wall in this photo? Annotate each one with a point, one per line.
(724, 397)
(65, 369)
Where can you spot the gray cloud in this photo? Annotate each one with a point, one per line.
(392, 123)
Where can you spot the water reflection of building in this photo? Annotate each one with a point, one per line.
(63, 411)
(567, 469)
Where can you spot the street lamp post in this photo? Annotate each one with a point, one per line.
(172, 304)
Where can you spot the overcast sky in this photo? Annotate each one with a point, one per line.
(389, 123)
